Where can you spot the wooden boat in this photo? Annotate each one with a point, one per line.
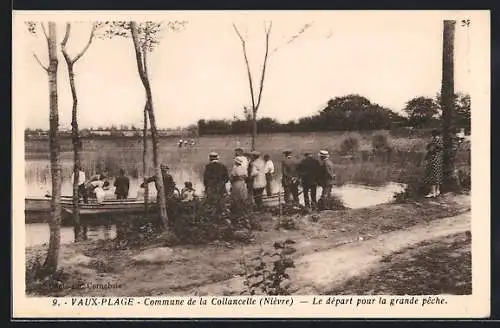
(112, 206)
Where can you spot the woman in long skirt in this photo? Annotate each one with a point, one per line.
(239, 190)
(434, 164)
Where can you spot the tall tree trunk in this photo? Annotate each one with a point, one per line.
(50, 265)
(254, 127)
(447, 103)
(145, 160)
(159, 177)
(75, 138)
(140, 55)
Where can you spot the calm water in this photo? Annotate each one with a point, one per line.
(354, 196)
(186, 165)
(38, 234)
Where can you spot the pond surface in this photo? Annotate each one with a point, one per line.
(38, 233)
(353, 196)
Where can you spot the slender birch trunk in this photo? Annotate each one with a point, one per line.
(142, 69)
(145, 160)
(50, 264)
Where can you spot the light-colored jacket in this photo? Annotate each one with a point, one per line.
(245, 162)
(269, 167)
(258, 173)
(81, 177)
(239, 171)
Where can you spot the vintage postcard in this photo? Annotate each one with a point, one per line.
(251, 164)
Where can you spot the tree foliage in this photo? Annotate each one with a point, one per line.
(421, 111)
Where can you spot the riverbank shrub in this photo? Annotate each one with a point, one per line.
(349, 145)
(202, 221)
(380, 143)
(40, 283)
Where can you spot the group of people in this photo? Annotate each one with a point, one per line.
(184, 143)
(250, 176)
(97, 186)
(252, 173)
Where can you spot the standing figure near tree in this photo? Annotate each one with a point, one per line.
(239, 191)
(122, 184)
(168, 182)
(258, 178)
(326, 179)
(434, 164)
(269, 171)
(215, 178)
(290, 179)
(308, 172)
(82, 190)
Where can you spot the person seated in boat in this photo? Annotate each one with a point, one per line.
(188, 192)
(98, 189)
(102, 176)
(122, 185)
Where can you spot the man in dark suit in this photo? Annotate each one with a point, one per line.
(308, 170)
(215, 178)
(290, 180)
(122, 184)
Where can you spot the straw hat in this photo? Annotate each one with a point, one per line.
(255, 153)
(213, 155)
(324, 153)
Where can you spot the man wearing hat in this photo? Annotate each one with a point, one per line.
(215, 178)
(327, 176)
(258, 176)
(168, 182)
(290, 180)
(308, 169)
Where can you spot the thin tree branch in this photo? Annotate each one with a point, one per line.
(243, 45)
(44, 31)
(264, 65)
(92, 33)
(68, 60)
(138, 52)
(66, 35)
(45, 68)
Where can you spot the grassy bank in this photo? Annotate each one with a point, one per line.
(160, 268)
(440, 266)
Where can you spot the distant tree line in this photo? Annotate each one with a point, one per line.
(348, 113)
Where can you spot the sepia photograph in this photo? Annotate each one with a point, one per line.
(244, 153)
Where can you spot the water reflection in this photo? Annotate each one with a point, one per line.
(38, 233)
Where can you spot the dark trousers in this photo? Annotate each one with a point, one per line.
(269, 180)
(121, 196)
(309, 189)
(249, 182)
(83, 193)
(291, 188)
(257, 196)
(325, 198)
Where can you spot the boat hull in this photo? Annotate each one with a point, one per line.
(112, 206)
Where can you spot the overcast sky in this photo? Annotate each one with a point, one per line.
(199, 72)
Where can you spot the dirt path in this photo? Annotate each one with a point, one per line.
(324, 270)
